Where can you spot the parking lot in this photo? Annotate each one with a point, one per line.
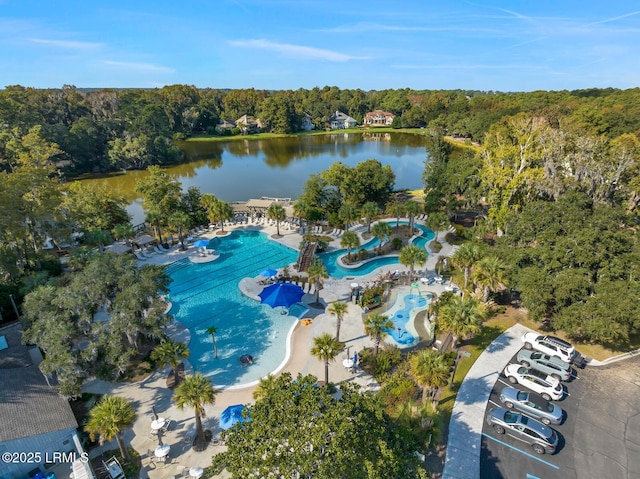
(600, 437)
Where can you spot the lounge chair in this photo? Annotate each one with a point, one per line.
(157, 250)
(140, 257)
(146, 254)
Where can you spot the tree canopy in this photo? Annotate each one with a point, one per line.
(59, 318)
(298, 429)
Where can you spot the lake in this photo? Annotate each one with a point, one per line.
(279, 167)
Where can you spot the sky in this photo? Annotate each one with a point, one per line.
(290, 44)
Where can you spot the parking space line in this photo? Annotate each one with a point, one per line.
(530, 476)
(520, 450)
(506, 383)
(494, 403)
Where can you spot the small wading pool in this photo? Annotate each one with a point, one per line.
(403, 313)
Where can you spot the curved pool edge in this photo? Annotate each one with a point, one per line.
(279, 368)
(398, 299)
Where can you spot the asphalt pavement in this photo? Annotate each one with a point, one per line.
(600, 436)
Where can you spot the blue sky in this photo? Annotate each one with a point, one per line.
(290, 44)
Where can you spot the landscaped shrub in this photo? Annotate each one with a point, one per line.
(363, 254)
(396, 243)
(450, 358)
(436, 246)
(398, 389)
(382, 365)
(369, 296)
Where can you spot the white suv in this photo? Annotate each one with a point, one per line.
(548, 387)
(549, 345)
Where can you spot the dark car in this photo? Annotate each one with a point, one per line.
(541, 438)
(532, 405)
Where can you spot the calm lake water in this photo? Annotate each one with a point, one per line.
(279, 167)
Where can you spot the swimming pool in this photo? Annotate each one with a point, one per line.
(334, 269)
(207, 294)
(403, 313)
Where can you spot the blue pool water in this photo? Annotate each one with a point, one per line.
(207, 294)
(330, 260)
(401, 317)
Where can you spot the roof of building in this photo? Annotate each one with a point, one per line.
(247, 120)
(339, 116)
(380, 113)
(28, 406)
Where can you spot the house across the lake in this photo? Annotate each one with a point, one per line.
(226, 125)
(306, 124)
(379, 118)
(340, 121)
(248, 124)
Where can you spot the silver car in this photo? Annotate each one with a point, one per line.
(541, 438)
(551, 365)
(533, 405)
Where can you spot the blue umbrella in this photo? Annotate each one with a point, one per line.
(231, 416)
(268, 273)
(201, 243)
(281, 294)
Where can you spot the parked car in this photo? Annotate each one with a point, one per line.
(533, 405)
(547, 386)
(541, 438)
(551, 365)
(549, 345)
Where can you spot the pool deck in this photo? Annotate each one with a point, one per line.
(152, 391)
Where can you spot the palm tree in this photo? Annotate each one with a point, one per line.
(326, 348)
(381, 230)
(300, 209)
(347, 213)
(196, 391)
(411, 255)
(212, 330)
(123, 231)
(465, 257)
(435, 221)
(370, 210)
(375, 325)
(349, 240)
(276, 212)
(171, 353)
(317, 272)
(396, 209)
(217, 210)
(180, 221)
(491, 274)
(265, 386)
(462, 317)
(412, 209)
(429, 369)
(339, 308)
(108, 418)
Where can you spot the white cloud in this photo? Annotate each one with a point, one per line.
(149, 67)
(67, 44)
(296, 51)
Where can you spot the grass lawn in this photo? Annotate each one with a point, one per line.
(263, 136)
(491, 330)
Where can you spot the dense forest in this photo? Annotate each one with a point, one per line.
(555, 183)
(103, 130)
